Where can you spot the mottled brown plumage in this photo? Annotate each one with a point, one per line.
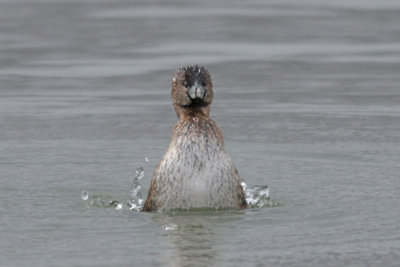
(195, 172)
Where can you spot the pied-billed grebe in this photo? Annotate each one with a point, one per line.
(195, 172)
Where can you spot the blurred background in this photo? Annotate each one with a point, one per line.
(306, 93)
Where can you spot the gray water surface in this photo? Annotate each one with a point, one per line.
(306, 93)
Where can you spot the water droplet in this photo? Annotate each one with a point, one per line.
(85, 195)
(147, 159)
(132, 205)
(139, 173)
(135, 190)
(139, 170)
(119, 206)
(170, 227)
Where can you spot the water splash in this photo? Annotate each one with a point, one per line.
(146, 159)
(258, 196)
(101, 201)
(135, 201)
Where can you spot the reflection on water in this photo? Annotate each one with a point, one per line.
(193, 235)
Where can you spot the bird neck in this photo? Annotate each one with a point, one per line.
(192, 111)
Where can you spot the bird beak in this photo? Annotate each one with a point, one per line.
(196, 91)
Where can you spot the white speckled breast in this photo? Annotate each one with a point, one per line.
(196, 172)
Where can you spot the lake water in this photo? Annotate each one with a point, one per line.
(306, 93)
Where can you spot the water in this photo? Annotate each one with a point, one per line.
(306, 94)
